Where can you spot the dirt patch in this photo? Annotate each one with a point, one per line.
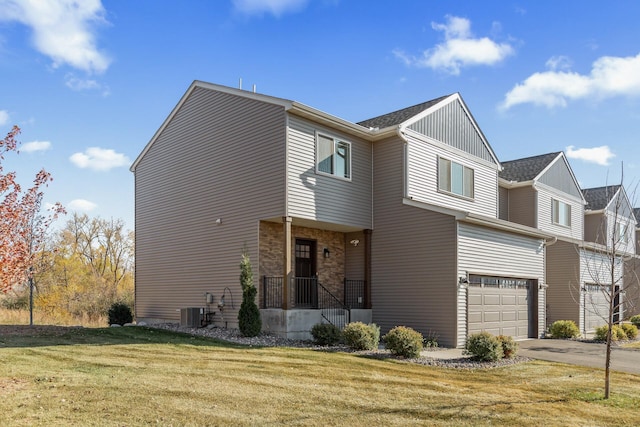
(9, 385)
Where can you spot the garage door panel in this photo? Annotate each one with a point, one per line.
(498, 310)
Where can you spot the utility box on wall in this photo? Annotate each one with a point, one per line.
(190, 317)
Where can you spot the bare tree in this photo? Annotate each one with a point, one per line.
(609, 274)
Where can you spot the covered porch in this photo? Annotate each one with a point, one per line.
(312, 272)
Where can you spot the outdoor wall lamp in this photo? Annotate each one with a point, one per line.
(463, 280)
(326, 252)
(355, 242)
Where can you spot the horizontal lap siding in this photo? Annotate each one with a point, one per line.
(522, 206)
(423, 180)
(325, 198)
(545, 215)
(596, 269)
(491, 252)
(221, 156)
(413, 255)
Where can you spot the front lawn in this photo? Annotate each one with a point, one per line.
(139, 376)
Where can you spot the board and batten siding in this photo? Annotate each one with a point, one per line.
(422, 180)
(453, 126)
(486, 251)
(325, 198)
(221, 157)
(545, 214)
(563, 278)
(413, 262)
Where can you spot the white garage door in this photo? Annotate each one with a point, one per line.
(596, 307)
(500, 306)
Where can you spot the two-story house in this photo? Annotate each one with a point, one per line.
(395, 217)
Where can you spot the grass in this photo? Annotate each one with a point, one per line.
(635, 344)
(139, 376)
(21, 317)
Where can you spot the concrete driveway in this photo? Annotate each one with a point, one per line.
(581, 353)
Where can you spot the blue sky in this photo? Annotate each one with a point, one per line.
(89, 82)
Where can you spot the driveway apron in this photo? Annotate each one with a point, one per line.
(581, 353)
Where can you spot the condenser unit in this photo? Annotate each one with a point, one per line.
(190, 317)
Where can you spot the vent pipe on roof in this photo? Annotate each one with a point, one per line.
(240, 83)
(254, 88)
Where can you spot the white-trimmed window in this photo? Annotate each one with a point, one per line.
(561, 213)
(622, 232)
(455, 178)
(333, 156)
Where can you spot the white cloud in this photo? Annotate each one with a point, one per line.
(4, 117)
(598, 155)
(610, 76)
(99, 159)
(81, 205)
(34, 146)
(63, 30)
(275, 7)
(77, 84)
(459, 50)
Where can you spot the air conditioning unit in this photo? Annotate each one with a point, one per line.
(190, 317)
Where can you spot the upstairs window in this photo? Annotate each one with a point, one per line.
(561, 213)
(455, 178)
(621, 232)
(333, 156)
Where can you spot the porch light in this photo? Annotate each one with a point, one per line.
(326, 252)
(355, 242)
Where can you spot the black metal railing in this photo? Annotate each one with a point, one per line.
(354, 293)
(332, 309)
(271, 291)
(305, 292)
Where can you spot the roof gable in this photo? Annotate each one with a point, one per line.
(600, 197)
(527, 169)
(400, 116)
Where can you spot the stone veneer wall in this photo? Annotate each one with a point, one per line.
(330, 270)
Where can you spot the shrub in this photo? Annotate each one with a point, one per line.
(249, 320)
(617, 333)
(635, 320)
(431, 340)
(564, 329)
(360, 336)
(631, 331)
(404, 341)
(326, 334)
(509, 346)
(484, 347)
(119, 314)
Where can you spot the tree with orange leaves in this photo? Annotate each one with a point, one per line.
(22, 225)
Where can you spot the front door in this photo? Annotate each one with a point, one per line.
(305, 273)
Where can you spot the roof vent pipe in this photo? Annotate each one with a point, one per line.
(240, 83)
(254, 88)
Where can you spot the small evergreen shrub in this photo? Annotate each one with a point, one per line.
(431, 340)
(404, 341)
(635, 320)
(484, 347)
(630, 330)
(326, 334)
(360, 336)
(562, 329)
(509, 346)
(249, 320)
(119, 314)
(617, 333)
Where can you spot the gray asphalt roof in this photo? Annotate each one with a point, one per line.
(599, 197)
(521, 170)
(399, 116)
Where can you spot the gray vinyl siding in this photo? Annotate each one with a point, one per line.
(354, 256)
(413, 255)
(325, 198)
(563, 278)
(423, 180)
(631, 303)
(490, 252)
(545, 215)
(595, 226)
(452, 125)
(559, 176)
(503, 203)
(595, 268)
(522, 206)
(191, 176)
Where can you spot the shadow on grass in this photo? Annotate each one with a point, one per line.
(43, 336)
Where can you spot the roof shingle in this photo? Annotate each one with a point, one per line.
(521, 170)
(599, 197)
(399, 116)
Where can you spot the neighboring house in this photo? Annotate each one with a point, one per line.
(542, 192)
(392, 220)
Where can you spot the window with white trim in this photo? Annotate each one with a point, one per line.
(561, 213)
(333, 156)
(621, 232)
(455, 178)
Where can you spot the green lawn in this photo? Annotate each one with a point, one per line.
(139, 376)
